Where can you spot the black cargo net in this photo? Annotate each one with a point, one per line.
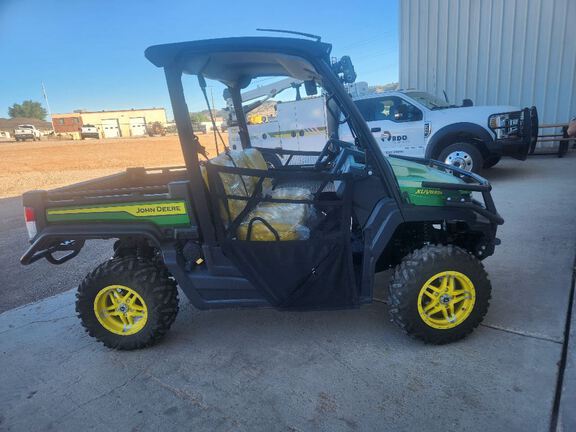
(287, 230)
(276, 204)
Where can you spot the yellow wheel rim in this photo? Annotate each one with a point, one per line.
(120, 310)
(446, 300)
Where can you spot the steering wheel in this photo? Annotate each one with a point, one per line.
(329, 152)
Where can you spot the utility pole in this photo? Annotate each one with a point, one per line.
(214, 123)
(212, 97)
(48, 106)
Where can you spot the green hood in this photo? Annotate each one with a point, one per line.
(410, 176)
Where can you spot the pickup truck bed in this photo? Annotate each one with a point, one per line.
(154, 201)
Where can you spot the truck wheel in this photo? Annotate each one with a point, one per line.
(127, 303)
(463, 155)
(272, 160)
(439, 294)
(491, 161)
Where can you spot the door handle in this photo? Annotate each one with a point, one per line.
(375, 129)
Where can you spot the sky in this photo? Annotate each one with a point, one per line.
(90, 54)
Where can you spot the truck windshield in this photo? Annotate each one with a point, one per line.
(428, 100)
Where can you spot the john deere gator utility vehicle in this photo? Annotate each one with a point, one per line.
(233, 231)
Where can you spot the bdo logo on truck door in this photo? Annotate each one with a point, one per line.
(387, 136)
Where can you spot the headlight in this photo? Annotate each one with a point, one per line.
(497, 120)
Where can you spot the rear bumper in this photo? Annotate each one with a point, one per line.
(24, 136)
(90, 135)
(522, 140)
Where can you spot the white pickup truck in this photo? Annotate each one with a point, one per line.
(27, 131)
(89, 131)
(410, 123)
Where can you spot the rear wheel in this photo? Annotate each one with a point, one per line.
(127, 303)
(439, 294)
(464, 155)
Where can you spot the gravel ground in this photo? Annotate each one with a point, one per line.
(50, 164)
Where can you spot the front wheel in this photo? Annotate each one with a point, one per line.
(127, 303)
(463, 155)
(439, 294)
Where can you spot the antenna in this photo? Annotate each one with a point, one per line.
(309, 35)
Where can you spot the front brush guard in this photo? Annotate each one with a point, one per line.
(473, 183)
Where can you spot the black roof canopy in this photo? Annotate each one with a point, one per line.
(230, 60)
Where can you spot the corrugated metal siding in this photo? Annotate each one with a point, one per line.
(505, 52)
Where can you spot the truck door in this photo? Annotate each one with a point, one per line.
(397, 125)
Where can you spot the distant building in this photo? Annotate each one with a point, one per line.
(67, 123)
(218, 121)
(110, 124)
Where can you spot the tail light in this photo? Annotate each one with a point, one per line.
(30, 218)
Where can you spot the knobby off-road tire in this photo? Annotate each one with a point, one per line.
(431, 265)
(152, 301)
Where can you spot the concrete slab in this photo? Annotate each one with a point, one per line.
(351, 370)
(531, 270)
(266, 370)
(566, 413)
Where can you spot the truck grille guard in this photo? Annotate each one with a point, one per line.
(525, 128)
(474, 183)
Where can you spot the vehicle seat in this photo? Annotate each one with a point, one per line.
(287, 219)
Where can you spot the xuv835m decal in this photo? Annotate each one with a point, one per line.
(164, 213)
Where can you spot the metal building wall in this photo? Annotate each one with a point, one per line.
(511, 52)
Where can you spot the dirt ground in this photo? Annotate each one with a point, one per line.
(50, 164)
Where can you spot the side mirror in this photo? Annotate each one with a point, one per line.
(345, 69)
(348, 72)
(467, 103)
(310, 87)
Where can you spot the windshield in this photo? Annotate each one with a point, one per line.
(269, 104)
(282, 113)
(428, 100)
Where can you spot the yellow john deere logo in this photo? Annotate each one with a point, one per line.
(153, 209)
(161, 209)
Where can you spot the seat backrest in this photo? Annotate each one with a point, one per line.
(256, 161)
(235, 184)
